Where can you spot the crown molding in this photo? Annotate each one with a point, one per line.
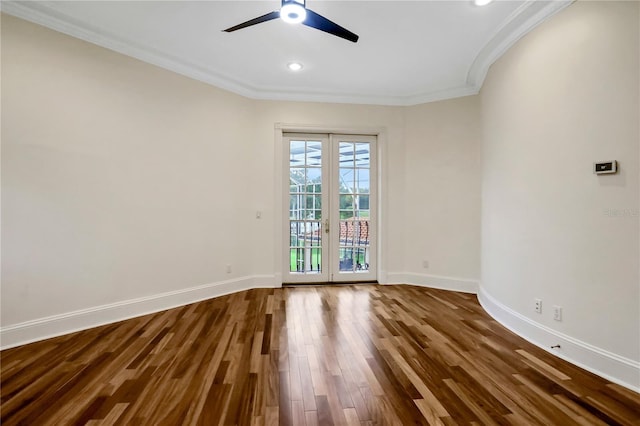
(41, 14)
(350, 98)
(524, 19)
(517, 25)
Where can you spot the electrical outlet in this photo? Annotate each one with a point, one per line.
(557, 313)
(228, 269)
(538, 305)
(425, 264)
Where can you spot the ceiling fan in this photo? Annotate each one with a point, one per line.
(296, 12)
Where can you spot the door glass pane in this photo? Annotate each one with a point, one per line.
(293, 236)
(346, 214)
(314, 154)
(346, 154)
(347, 184)
(296, 179)
(296, 260)
(362, 214)
(354, 201)
(346, 202)
(363, 181)
(362, 155)
(346, 260)
(314, 179)
(362, 202)
(316, 259)
(296, 153)
(362, 260)
(296, 210)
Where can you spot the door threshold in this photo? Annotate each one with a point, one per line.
(325, 283)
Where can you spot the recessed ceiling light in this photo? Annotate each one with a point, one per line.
(294, 66)
(293, 13)
(482, 2)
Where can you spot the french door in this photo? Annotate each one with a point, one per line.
(330, 220)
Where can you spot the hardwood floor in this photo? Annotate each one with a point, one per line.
(357, 354)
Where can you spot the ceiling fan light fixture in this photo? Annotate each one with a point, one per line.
(293, 13)
(481, 2)
(296, 12)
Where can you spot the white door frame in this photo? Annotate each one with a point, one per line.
(278, 224)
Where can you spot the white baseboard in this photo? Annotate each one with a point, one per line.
(613, 367)
(57, 325)
(463, 285)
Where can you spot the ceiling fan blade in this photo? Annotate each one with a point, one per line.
(260, 19)
(323, 24)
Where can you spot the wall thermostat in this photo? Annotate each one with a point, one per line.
(605, 167)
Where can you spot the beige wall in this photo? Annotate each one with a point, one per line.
(442, 189)
(115, 177)
(121, 180)
(563, 97)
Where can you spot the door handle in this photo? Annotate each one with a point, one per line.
(326, 226)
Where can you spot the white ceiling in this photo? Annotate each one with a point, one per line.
(409, 52)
